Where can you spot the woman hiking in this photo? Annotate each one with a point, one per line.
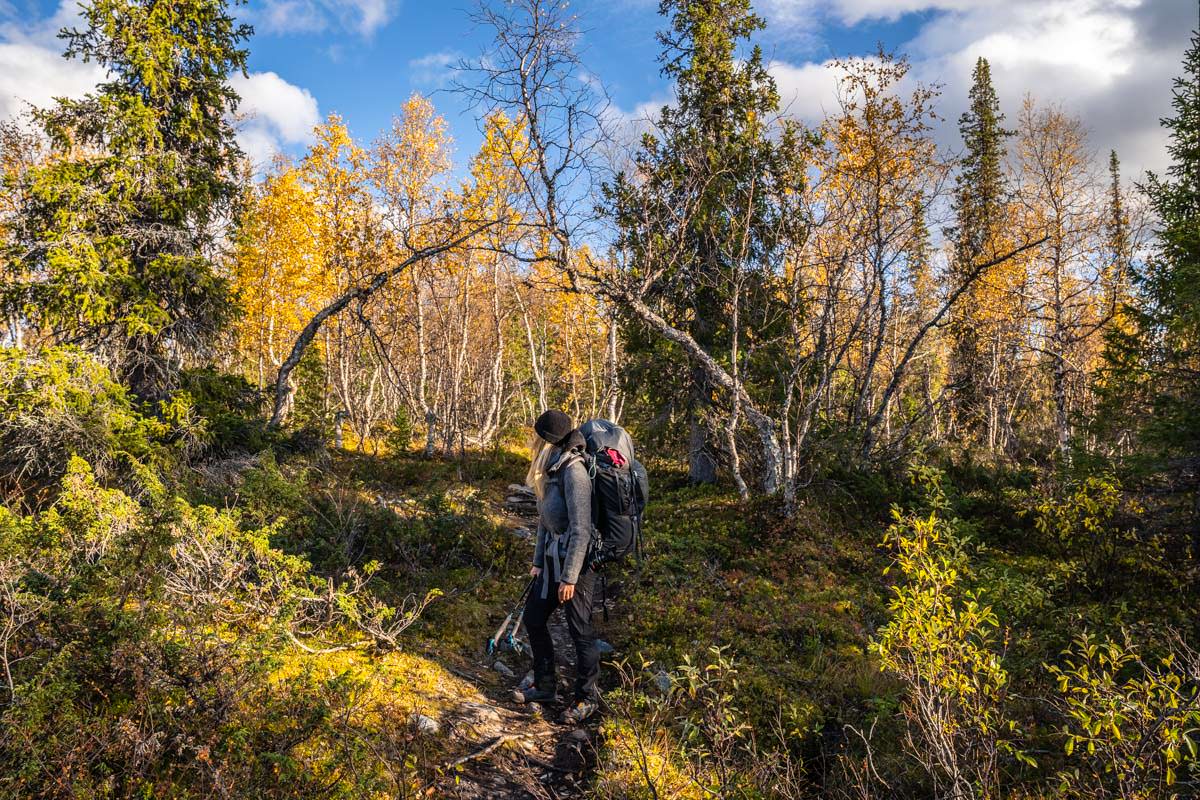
(559, 476)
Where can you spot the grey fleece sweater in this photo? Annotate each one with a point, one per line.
(564, 519)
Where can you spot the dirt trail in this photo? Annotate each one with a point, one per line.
(514, 751)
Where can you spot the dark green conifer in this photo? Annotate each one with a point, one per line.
(979, 198)
(1155, 366)
(706, 200)
(113, 245)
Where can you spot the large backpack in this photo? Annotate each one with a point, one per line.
(620, 489)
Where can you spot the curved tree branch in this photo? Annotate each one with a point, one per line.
(361, 292)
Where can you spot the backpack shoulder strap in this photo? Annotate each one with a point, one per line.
(569, 458)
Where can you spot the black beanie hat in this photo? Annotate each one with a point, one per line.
(554, 426)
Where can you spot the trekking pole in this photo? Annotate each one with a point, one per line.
(492, 642)
(512, 642)
(495, 641)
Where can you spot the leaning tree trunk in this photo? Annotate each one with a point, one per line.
(766, 427)
(360, 293)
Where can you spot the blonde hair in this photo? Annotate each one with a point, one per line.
(539, 453)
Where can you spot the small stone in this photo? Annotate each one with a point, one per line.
(605, 648)
(578, 735)
(426, 725)
(522, 533)
(504, 669)
(663, 681)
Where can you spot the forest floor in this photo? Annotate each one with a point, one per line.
(790, 604)
(793, 602)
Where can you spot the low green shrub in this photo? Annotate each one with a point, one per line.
(233, 409)
(1083, 521)
(943, 644)
(144, 648)
(1131, 725)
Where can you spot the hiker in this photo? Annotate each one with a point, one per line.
(560, 480)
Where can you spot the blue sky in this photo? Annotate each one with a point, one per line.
(1108, 61)
(366, 75)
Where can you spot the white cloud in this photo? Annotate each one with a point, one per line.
(273, 113)
(32, 69)
(799, 20)
(372, 14)
(291, 16)
(363, 17)
(1109, 61)
(34, 75)
(433, 70)
(1096, 57)
(807, 91)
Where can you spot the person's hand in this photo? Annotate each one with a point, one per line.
(565, 592)
(535, 571)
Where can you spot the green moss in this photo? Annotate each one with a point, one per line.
(404, 681)
(792, 599)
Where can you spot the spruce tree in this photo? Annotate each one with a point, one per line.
(1172, 281)
(114, 239)
(1157, 365)
(979, 199)
(1119, 245)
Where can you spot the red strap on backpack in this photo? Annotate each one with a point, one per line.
(615, 457)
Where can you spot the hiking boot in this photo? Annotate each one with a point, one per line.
(535, 695)
(542, 689)
(579, 712)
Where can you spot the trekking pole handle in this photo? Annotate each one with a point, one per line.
(503, 626)
(520, 601)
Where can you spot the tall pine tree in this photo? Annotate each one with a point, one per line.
(117, 228)
(979, 200)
